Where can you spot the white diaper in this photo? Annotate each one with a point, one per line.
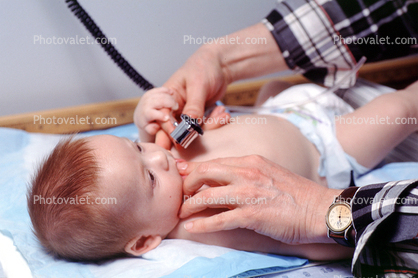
(316, 122)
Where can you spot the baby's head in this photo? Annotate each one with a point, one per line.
(104, 196)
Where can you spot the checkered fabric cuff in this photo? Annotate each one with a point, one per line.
(385, 217)
(323, 39)
(305, 35)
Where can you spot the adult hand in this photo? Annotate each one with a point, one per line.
(203, 79)
(260, 196)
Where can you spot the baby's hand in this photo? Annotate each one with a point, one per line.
(155, 106)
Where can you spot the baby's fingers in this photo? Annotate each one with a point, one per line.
(160, 100)
(169, 103)
(157, 115)
(152, 128)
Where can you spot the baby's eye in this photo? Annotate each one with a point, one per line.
(152, 179)
(139, 148)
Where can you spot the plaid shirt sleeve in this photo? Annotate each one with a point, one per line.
(385, 218)
(323, 39)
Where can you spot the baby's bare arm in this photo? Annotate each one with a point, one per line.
(248, 240)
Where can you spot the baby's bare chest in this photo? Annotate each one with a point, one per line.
(268, 136)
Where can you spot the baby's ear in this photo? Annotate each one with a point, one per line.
(142, 244)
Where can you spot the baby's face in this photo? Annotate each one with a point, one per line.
(144, 179)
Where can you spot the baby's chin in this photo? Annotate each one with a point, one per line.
(174, 230)
(169, 228)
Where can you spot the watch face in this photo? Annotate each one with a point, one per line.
(339, 217)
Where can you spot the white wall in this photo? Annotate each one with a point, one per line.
(149, 34)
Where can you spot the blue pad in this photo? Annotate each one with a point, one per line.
(20, 153)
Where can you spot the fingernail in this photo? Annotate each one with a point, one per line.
(176, 107)
(182, 165)
(166, 118)
(188, 225)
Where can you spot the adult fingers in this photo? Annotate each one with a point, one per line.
(251, 161)
(227, 220)
(219, 197)
(185, 168)
(212, 174)
(195, 100)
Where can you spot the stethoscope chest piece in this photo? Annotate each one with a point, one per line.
(186, 131)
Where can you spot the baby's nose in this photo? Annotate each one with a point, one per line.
(160, 159)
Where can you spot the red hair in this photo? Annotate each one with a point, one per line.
(70, 230)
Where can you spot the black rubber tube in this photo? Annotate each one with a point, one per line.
(107, 46)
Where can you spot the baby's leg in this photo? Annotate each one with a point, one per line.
(372, 131)
(270, 90)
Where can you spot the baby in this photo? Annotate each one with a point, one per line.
(143, 178)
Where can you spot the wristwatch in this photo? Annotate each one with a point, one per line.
(339, 219)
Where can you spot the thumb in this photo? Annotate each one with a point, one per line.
(195, 102)
(185, 168)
